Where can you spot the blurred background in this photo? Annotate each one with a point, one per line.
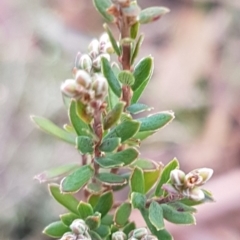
(196, 48)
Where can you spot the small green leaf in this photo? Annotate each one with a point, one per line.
(93, 221)
(181, 207)
(111, 179)
(111, 78)
(124, 130)
(94, 187)
(126, 78)
(151, 177)
(138, 200)
(107, 162)
(56, 229)
(137, 181)
(82, 113)
(94, 235)
(156, 215)
(103, 231)
(68, 218)
(165, 176)
(107, 220)
(52, 129)
(145, 164)
(143, 135)
(104, 203)
(55, 173)
(84, 209)
(113, 116)
(79, 126)
(155, 121)
(112, 39)
(129, 227)
(110, 144)
(142, 72)
(136, 49)
(76, 180)
(137, 93)
(102, 6)
(66, 200)
(85, 144)
(134, 30)
(152, 14)
(122, 214)
(93, 199)
(174, 216)
(138, 108)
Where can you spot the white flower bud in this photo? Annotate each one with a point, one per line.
(196, 194)
(79, 226)
(139, 233)
(177, 177)
(149, 237)
(85, 63)
(97, 61)
(204, 173)
(104, 38)
(69, 236)
(100, 87)
(119, 235)
(69, 88)
(83, 79)
(93, 48)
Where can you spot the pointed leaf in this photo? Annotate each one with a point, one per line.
(82, 113)
(124, 130)
(94, 235)
(156, 215)
(55, 173)
(137, 181)
(142, 72)
(110, 144)
(107, 220)
(134, 30)
(113, 116)
(102, 6)
(52, 129)
(151, 177)
(85, 144)
(136, 48)
(84, 209)
(111, 78)
(104, 203)
(138, 200)
(93, 221)
(137, 93)
(111, 179)
(79, 125)
(165, 176)
(67, 200)
(143, 135)
(93, 199)
(68, 218)
(138, 108)
(112, 39)
(76, 180)
(152, 14)
(174, 216)
(56, 229)
(122, 214)
(103, 231)
(181, 207)
(155, 121)
(129, 227)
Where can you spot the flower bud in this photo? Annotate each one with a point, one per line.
(139, 233)
(107, 48)
(204, 173)
(97, 61)
(69, 88)
(82, 237)
(119, 235)
(100, 87)
(196, 194)
(78, 226)
(149, 237)
(104, 38)
(83, 79)
(177, 177)
(93, 48)
(69, 236)
(85, 63)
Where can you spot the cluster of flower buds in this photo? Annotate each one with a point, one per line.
(187, 185)
(79, 231)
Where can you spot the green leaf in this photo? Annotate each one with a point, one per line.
(122, 214)
(66, 200)
(68, 218)
(156, 215)
(165, 176)
(145, 164)
(129, 227)
(52, 129)
(56, 229)
(113, 116)
(57, 172)
(136, 49)
(80, 126)
(143, 135)
(103, 231)
(152, 14)
(111, 78)
(118, 159)
(112, 39)
(82, 112)
(126, 78)
(181, 207)
(94, 187)
(134, 30)
(137, 93)
(84, 209)
(107, 220)
(137, 181)
(111, 179)
(76, 180)
(94, 235)
(102, 6)
(93, 199)
(151, 177)
(138, 108)
(124, 130)
(85, 144)
(142, 72)
(93, 221)
(155, 121)
(110, 144)
(138, 200)
(104, 203)
(174, 216)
